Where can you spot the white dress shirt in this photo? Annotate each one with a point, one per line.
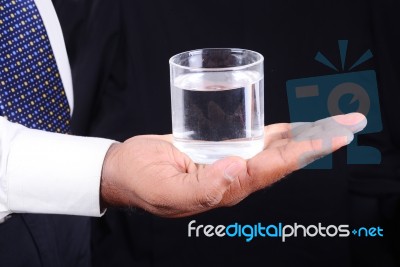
(43, 172)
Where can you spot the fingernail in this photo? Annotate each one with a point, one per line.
(356, 122)
(360, 122)
(232, 171)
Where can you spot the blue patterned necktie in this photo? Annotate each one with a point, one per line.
(31, 91)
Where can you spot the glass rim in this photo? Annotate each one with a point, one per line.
(198, 51)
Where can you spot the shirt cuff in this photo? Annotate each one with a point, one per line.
(55, 173)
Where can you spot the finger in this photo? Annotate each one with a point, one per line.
(279, 143)
(277, 135)
(308, 142)
(315, 142)
(322, 141)
(355, 122)
(205, 188)
(216, 179)
(274, 132)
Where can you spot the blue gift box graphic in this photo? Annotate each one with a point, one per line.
(318, 97)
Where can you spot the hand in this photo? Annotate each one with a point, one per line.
(149, 173)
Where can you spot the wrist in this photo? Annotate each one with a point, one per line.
(108, 186)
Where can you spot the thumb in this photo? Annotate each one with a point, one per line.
(217, 178)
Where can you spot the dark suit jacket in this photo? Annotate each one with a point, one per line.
(45, 240)
(119, 54)
(40, 240)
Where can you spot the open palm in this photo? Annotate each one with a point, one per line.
(149, 173)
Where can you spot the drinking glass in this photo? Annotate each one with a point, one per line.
(217, 102)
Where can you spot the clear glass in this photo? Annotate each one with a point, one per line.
(217, 101)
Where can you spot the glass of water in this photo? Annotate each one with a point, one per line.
(217, 101)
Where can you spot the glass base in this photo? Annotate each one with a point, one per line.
(207, 152)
